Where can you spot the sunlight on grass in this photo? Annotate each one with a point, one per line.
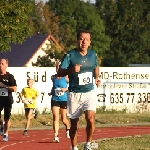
(131, 143)
(100, 119)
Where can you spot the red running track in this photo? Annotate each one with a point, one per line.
(42, 139)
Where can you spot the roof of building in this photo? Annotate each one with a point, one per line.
(20, 54)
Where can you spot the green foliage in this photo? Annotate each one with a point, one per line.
(127, 24)
(46, 111)
(14, 22)
(51, 21)
(132, 142)
(74, 15)
(103, 110)
(120, 28)
(37, 19)
(49, 59)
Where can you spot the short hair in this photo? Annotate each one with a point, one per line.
(30, 79)
(83, 31)
(5, 60)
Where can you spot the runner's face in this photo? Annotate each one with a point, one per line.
(30, 83)
(84, 41)
(3, 65)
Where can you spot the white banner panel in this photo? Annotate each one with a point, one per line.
(124, 87)
(121, 87)
(43, 84)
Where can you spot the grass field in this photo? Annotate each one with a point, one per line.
(131, 143)
(102, 118)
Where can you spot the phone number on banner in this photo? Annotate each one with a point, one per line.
(124, 98)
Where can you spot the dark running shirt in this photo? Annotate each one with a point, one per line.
(7, 79)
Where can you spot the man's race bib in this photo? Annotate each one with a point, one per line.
(59, 92)
(28, 101)
(3, 92)
(85, 78)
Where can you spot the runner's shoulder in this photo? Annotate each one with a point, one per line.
(72, 51)
(90, 51)
(9, 75)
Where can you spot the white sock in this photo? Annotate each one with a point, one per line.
(88, 143)
(56, 134)
(74, 148)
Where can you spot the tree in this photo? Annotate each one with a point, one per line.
(14, 20)
(51, 21)
(51, 56)
(74, 15)
(37, 19)
(127, 24)
(45, 19)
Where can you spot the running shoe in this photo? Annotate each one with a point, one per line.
(56, 139)
(73, 148)
(67, 134)
(35, 114)
(25, 132)
(87, 147)
(5, 137)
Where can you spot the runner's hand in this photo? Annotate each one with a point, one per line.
(63, 89)
(49, 94)
(2, 85)
(97, 82)
(77, 67)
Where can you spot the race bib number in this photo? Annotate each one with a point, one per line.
(59, 92)
(3, 92)
(85, 78)
(28, 101)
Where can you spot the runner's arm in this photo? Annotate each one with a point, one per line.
(12, 84)
(21, 95)
(64, 68)
(52, 87)
(64, 89)
(63, 72)
(96, 73)
(36, 95)
(8, 87)
(67, 78)
(12, 88)
(50, 92)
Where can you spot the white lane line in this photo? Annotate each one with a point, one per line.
(13, 144)
(21, 142)
(4, 147)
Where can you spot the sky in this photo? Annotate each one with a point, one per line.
(93, 1)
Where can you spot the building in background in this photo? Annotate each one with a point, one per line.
(27, 53)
